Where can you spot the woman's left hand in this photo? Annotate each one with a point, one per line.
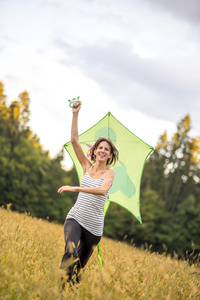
(66, 188)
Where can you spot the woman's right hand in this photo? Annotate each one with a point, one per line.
(66, 188)
(77, 107)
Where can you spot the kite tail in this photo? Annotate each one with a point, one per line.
(107, 204)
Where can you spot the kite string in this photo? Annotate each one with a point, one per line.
(107, 204)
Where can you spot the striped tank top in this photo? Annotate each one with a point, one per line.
(88, 209)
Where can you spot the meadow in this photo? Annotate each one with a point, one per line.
(30, 254)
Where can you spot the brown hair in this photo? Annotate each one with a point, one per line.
(113, 151)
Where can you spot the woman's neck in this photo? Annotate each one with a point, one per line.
(99, 167)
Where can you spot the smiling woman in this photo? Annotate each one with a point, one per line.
(84, 223)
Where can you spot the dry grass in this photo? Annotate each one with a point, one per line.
(30, 254)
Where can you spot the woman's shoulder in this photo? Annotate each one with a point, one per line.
(110, 172)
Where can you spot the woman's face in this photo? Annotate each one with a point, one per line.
(103, 151)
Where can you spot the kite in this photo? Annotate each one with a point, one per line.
(133, 153)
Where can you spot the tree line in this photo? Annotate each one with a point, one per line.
(170, 186)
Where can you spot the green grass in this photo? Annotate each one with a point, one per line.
(30, 254)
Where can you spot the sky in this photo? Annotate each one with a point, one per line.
(138, 59)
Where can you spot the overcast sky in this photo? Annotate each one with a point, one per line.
(139, 59)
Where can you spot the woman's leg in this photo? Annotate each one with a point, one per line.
(72, 233)
(85, 249)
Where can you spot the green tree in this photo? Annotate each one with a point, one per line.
(186, 229)
(14, 118)
(29, 178)
(173, 171)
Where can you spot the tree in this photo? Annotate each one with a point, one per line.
(173, 170)
(29, 178)
(15, 117)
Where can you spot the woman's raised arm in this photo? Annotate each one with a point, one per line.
(85, 163)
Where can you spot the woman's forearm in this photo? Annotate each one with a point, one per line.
(97, 190)
(74, 127)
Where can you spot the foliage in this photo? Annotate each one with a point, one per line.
(31, 271)
(29, 179)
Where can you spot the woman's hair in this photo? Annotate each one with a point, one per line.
(113, 151)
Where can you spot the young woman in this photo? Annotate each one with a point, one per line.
(84, 223)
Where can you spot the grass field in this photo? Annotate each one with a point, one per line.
(30, 254)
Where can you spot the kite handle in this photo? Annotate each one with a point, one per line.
(73, 101)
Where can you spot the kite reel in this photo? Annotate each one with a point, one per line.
(73, 101)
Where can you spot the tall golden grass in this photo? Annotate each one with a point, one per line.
(30, 254)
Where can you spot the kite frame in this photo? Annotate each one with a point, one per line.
(142, 167)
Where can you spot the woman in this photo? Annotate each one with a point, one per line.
(83, 226)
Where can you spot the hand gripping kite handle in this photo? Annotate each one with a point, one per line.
(73, 101)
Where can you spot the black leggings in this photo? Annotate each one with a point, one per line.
(79, 246)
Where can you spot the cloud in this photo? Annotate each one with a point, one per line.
(140, 55)
(186, 9)
(154, 87)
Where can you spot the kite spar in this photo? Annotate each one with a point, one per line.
(133, 153)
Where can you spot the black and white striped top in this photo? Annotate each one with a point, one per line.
(88, 209)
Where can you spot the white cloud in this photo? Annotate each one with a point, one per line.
(144, 84)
